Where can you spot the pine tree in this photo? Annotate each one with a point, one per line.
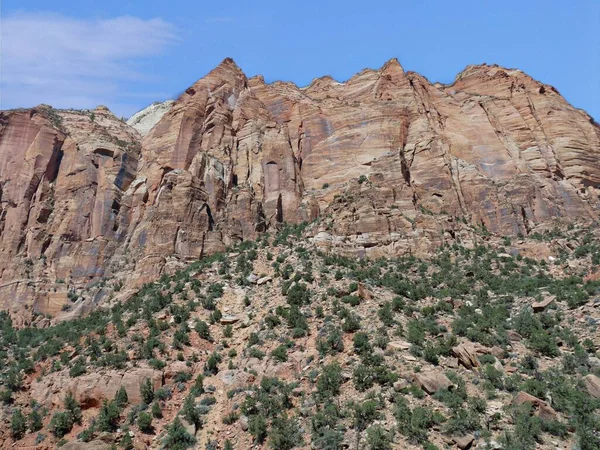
(191, 413)
(108, 418)
(72, 407)
(147, 391)
(121, 397)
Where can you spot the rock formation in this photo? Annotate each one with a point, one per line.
(390, 162)
(144, 120)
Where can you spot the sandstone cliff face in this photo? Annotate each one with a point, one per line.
(389, 161)
(63, 176)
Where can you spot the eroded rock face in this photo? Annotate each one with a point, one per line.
(143, 121)
(90, 390)
(390, 162)
(62, 176)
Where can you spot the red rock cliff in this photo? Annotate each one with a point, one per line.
(391, 162)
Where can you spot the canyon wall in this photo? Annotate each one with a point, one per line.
(388, 161)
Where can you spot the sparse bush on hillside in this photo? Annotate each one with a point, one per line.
(177, 437)
(18, 425)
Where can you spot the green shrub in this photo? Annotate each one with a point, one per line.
(177, 437)
(363, 377)
(415, 332)
(330, 381)
(144, 422)
(198, 387)
(108, 418)
(325, 430)
(257, 427)
(526, 430)
(253, 339)
(378, 438)
(72, 408)
(157, 364)
(18, 425)
(463, 421)
(126, 442)
(212, 364)
(272, 321)
(230, 418)
(362, 344)
(6, 396)
(61, 424)
(156, 410)
(430, 353)
(386, 315)
(285, 433)
(280, 353)
(332, 344)
(351, 323)
(298, 295)
(414, 424)
(544, 342)
(78, 367)
(35, 420)
(256, 353)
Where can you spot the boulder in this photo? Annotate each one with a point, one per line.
(398, 345)
(542, 304)
(229, 319)
(541, 408)
(431, 382)
(263, 280)
(399, 385)
(466, 355)
(243, 421)
(464, 442)
(592, 385)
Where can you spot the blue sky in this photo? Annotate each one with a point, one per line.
(127, 54)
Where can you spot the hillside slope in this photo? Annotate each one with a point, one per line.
(281, 343)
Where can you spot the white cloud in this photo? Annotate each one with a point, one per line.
(80, 63)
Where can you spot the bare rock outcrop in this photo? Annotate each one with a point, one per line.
(90, 390)
(540, 407)
(144, 120)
